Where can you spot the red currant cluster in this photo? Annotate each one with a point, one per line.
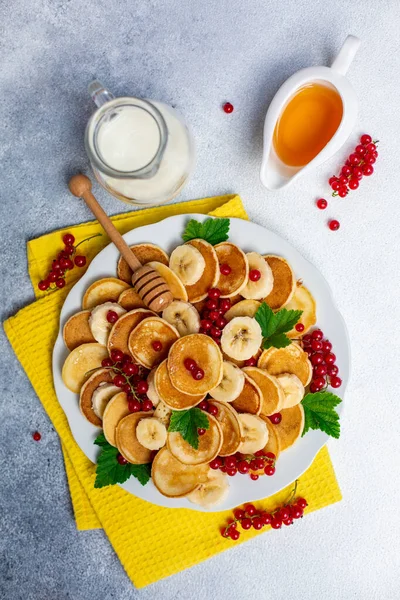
(131, 378)
(246, 463)
(358, 164)
(319, 351)
(249, 517)
(66, 260)
(207, 407)
(192, 366)
(212, 316)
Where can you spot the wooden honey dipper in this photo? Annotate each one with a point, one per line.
(150, 286)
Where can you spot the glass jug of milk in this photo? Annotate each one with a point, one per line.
(141, 151)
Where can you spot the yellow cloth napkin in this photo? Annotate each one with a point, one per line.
(152, 542)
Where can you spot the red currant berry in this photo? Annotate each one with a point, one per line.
(225, 305)
(334, 225)
(60, 283)
(299, 327)
(288, 521)
(275, 419)
(307, 339)
(112, 316)
(231, 472)
(322, 203)
(297, 511)
(203, 405)
(119, 381)
(43, 285)
(254, 476)
(318, 384)
(266, 518)
(212, 410)
(121, 459)
(253, 465)
(64, 262)
(320, 370)
(246, 523)
(214, 315)
(335, 185)
(80, 260)
(270, 456)
(302, 502)
(326, 346)
(250, 362)
(342, 192)
(147, 405)
(365, 139)
(214, 293)
(215, 332)
(117, 355)
(69, 264)
(332, 370)
(206, 324)
(329, 358)
(335, 382)
(250, 509)
(239, 514)
(257, 523)
(201, 431)
(332, 179)
(216, 463)
(130, 369)
(276, 522)
(371, 147)
(357, 172)
(221, 322)
(269, 470)
(142, 387)
(284, 513)
(260, 463)
(127, 389)
(69, 250)
(317, 334)
(211, 304)
(228, 108)
(230, 462)
(317, 359)
(134, 406)
(190, 364)
(36, 436)
(346, 171)
(343, 179)
(225, 269)
(243, 467)
(368, 170)
(68, 239)
(254, 275)
(316, 345)
(353, 184)
(198, 374)
(361, 150)
(157, 346)
(354, 159)
(52, 276)
(107, 362)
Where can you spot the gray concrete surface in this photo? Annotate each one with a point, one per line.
(196, 55)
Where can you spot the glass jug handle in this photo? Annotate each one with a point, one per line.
(99, 94)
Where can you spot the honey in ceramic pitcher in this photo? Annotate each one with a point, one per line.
(307, 123)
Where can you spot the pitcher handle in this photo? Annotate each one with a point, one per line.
(346, 54)
(99, 94)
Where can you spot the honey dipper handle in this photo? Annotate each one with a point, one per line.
(81, 186)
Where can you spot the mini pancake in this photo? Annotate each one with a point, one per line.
(198, 291)
(171, 396)
(291, 359)
(144, 253)
(235, 258)
(79, 362)
(205, 352)
(115, 410)
(250, 400)
(303, 300)
(273, 439)
(127, 442)
(175, 285)
(85, 399)
(174, 479)
(77, 331)
(284, 282)
(291, 427)
(140, 341)
(244, 308)
(209, 445)
(272, 393)
(103, 290)
(129, 299)
(230, 425)
(119, 334)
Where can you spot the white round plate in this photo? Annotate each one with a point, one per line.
(250, 237)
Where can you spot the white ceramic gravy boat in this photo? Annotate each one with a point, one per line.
(274, 174)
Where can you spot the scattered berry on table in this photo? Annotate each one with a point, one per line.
(228, 107)
(36, 436)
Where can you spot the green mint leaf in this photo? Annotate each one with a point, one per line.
(277, 340)
(214, 231)
(192, 231)
(187, 422)
(110, 472)
(320, 413)
(274, 326)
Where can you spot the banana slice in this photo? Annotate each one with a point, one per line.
(231, 385)
(151, 433)
(163, 413)
(256, 290)
(244, 308)
(183, 315)
(99, 326)
(255, 433)
(101, 397)
(152, 392)
(212, 492)
(293, 389)
(172, 280)
(188, 263)
(241, 338)
(303, 300)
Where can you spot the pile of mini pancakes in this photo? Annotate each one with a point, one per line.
(244, 396)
